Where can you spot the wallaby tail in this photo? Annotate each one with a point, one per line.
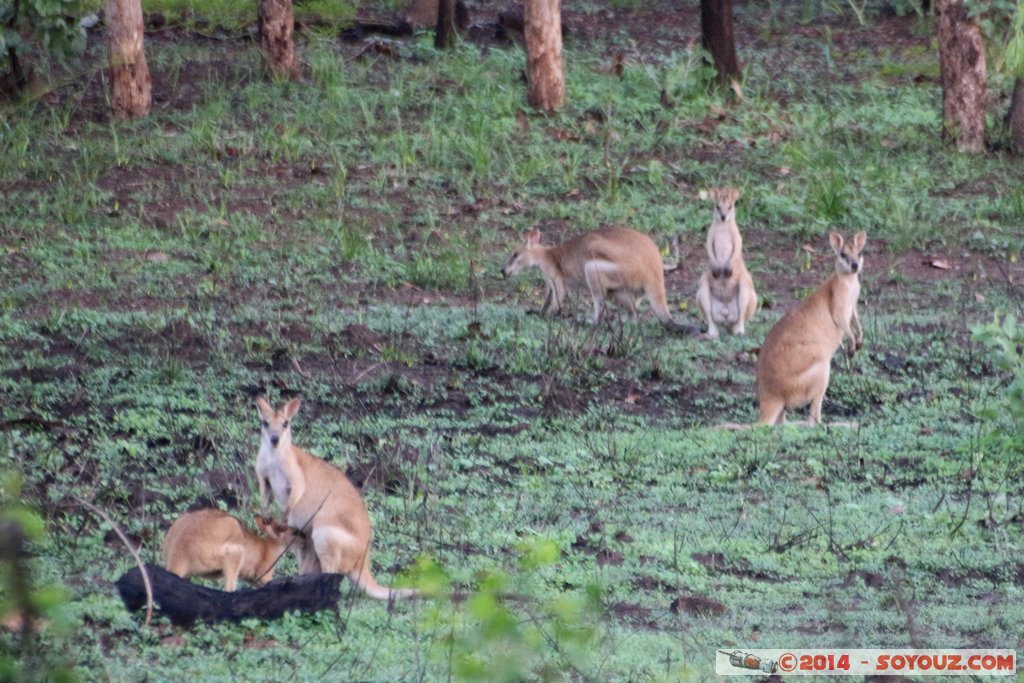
(659, 306)
(682, 328)
(362, 577)
(669, 323)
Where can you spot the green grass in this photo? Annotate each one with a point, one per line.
(158, 275)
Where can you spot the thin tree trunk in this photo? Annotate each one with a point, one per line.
(1015, 117)
(542, 28)
(17, 76)
(17, 79)
(963, 75)
(131, 86)
(277, 38)
(445, 33)
(717, 38)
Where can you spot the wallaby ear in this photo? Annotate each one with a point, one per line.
(859, 239)
(533, 238)
(704, 195)
(735, 193)
(291, 408)
(266, 412)
(836, 240)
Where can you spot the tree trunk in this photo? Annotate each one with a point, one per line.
(1015, 117)
(962, 71)
(277, 38)
(717, 38)
(444, 32)
(185, 602)
(542, 28)
(131, 86)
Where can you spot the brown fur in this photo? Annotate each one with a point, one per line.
(619, 264)
(213, 544)
(726, 292)
(795, 360)
(318, 499)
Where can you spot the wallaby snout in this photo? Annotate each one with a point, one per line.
(275, 439)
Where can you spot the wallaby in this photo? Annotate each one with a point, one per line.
(615, 263)
(318, 499)
(794, 362)
(212, 544)
(726, 291)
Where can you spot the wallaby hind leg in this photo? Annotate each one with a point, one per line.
(601, 277)
(746, 303)
(337, 551)
(177, 566)
(814, 416)
(818, 389)
(704, 302)
(771, 411)
(232, 563)
(627, 300)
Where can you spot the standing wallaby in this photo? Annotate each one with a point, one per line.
(726, 292)
(795, 359)
(615, 263)
(213, 544)
(318, 499)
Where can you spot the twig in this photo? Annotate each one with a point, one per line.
(298, 368)
(365, 372)
(135, 553)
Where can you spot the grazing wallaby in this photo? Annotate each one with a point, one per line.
(317, 498)
(795, 359)
(726, 292)
(213, 544)
(615, 263)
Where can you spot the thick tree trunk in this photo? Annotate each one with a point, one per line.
(185, 602)
(542, 28)
(717, 38)
(963, 74)
(444, 32)
(277, 38)
(1015, 117)
(131, 86)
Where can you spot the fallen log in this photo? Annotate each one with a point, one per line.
(185, 602)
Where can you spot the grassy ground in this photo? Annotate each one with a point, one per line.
(341, 239)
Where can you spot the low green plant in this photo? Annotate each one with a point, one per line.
(1005, 339)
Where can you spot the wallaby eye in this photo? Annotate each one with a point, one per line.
(265, 424)
(284, 425)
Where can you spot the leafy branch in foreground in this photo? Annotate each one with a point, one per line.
(24, 607)
(488, 640)
(47, 21)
